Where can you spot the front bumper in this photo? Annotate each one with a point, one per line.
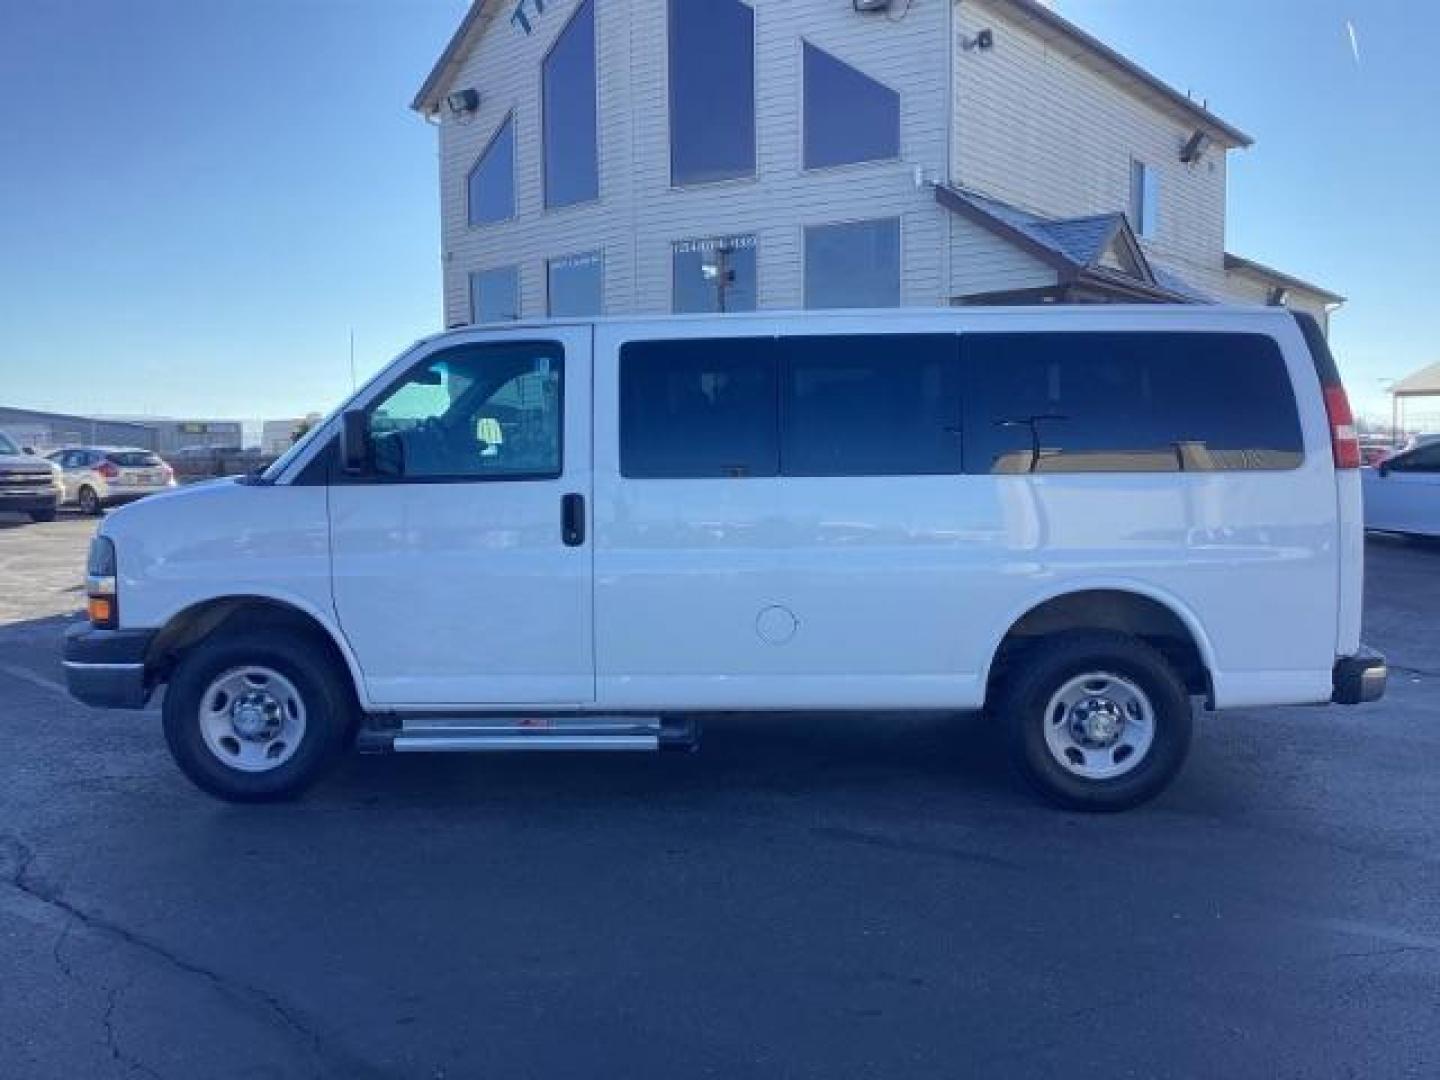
(1359, 678)
(28, 502)
(106, 668)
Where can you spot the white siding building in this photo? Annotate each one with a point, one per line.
(625, 156)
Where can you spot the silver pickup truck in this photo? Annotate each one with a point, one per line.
(28, 484)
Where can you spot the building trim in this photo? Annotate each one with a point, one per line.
(427, 98)
(1234, 263)
(1121, 69)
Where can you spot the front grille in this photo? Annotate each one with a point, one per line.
(25, 482)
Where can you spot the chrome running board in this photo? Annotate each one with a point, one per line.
(431, 734)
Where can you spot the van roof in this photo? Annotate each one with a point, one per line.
(1081, 311)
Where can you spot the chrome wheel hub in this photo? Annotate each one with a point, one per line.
(255, 715)
(1099, 725)
(252, 718)
(1097, 722)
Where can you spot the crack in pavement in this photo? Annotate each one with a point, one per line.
(112, 1037)
(254, 1000)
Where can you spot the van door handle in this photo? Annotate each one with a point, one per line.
(572, 519)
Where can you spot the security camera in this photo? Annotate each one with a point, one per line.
(463, 101)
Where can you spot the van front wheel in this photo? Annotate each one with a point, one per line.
(1098, 720)
(252, 717)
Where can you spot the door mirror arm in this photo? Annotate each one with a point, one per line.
(355, 456)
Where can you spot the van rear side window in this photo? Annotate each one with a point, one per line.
(1128, 402)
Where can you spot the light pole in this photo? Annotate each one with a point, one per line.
(715, 267)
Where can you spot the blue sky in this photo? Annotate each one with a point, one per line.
(199, 199)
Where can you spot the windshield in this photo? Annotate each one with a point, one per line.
(280, 464)
(133, 459)
(7, 444)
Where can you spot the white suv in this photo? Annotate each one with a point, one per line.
(99, 476)
(587, 535)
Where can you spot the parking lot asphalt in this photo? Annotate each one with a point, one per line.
(805, 897)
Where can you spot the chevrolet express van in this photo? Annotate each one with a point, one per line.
(587, 535)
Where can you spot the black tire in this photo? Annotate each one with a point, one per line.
(89, 502)
(1041, 673)
(298, 656)
(42, 515)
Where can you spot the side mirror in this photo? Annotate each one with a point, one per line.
(28, 450)
(355, 442)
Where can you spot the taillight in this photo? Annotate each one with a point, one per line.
(167, 471)
(108, 470)
(1344, 442)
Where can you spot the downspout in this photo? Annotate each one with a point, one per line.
(947, 262)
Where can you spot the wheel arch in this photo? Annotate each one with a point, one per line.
(200, 620)
(1131, 607)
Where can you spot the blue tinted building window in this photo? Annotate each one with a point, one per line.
(715, 274)
(495, 294)
(712, 90)
(572, 169)
(853, 265)
(575, 284)
(1144, 199)
(849, 116)
(492, 180)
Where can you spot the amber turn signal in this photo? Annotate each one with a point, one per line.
(102, 611)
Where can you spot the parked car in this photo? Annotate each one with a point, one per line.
(28, 484)
(1402, 493)
(1375, 450)
(1075, 519)
(99, 476)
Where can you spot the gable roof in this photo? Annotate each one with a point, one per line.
(1057, 31)
(1038, 18)
(1075, 248)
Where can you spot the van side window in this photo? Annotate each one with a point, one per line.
(1128, 402)
(698, 408)
(870, 405)
(474, 412)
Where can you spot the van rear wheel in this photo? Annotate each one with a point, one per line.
(253, 717)
(1097, 720)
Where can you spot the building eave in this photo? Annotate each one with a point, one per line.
(953, 200)
(1242, 264)
(427, 99)
(1051, 25)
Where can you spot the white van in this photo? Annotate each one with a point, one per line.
(588, 535)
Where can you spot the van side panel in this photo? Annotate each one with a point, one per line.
(868, 592)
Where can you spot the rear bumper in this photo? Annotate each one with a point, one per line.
(106, 668)
(1359, 678)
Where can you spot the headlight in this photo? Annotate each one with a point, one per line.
(102, 602)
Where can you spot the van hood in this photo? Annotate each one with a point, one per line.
(161, 501)
(26, 465)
